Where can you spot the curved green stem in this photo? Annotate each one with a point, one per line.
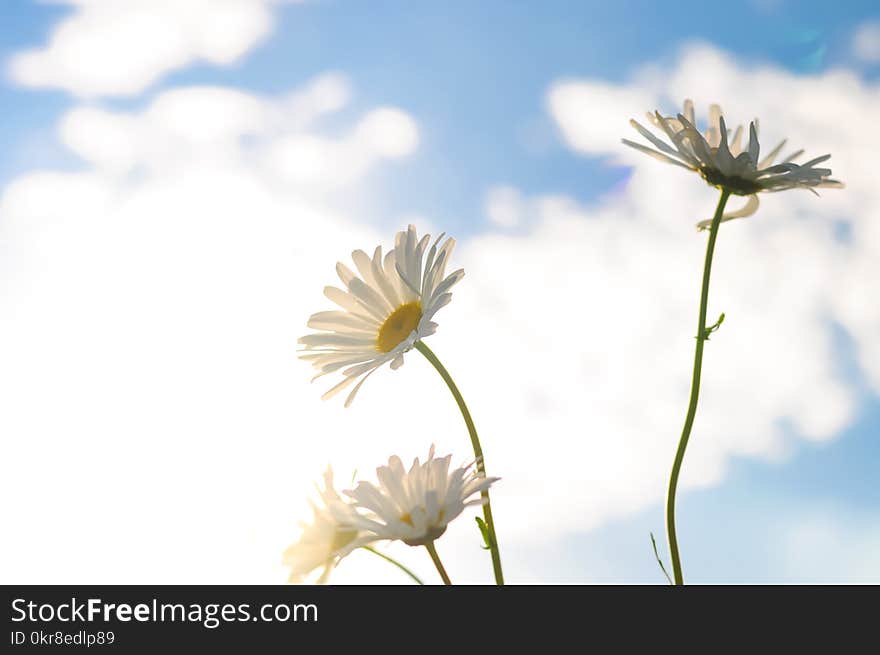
(436, 559)
(702, 335)
(390, 559)
(478, 453)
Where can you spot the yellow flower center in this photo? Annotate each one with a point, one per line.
(406, 518)
(398, 326)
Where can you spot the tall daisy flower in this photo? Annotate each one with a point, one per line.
(416, 506)
(726, 162)
(385, 309)
(328, 538)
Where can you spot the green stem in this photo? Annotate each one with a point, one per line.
(390, 559)
(478, 453)
(436, 559)
(702, 335)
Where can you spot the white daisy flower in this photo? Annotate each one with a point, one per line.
(385, 310)
(416, 506)
(330, 537)
(726, 162)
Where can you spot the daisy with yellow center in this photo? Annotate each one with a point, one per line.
(385, 309)
(416, 506)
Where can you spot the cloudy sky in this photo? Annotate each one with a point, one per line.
(179, 179)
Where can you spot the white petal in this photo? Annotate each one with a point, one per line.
(754, 146)
(660, 145)
(713, 133)
(768, 160)
(654, 153)
(357, 387)
(689, 111)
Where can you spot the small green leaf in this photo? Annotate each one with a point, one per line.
(714, 327)
(657, 555)
(484, 530)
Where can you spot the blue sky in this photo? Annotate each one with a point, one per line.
(474, 73)
(475, 77)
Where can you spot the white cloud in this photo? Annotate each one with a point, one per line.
(153, 299)
(321, 163)
(866, 42)
(829, 545)
(120, 47)
(388, 132)
(196, 124)
(504, 206)
(325, 94)
(591, 115)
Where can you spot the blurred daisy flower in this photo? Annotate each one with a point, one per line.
(330, 537)
(385, 309)
(726, 162)
(415, 506)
